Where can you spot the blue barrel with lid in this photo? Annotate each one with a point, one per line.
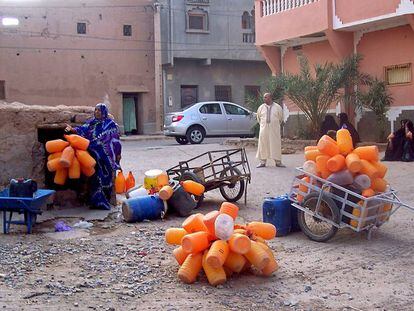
(277, 211)
(142, 208)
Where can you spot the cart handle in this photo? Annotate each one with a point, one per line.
(396, 201)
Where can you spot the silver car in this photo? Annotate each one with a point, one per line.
(209, 119)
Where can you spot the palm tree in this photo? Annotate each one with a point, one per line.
(314, 93)
(378, 100)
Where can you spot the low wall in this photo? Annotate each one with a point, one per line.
(21, 153)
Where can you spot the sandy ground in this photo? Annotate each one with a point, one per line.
(118, 266)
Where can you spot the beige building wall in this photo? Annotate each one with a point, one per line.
(44, 61)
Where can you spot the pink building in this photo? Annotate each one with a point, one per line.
(76, 52)
(329, 30)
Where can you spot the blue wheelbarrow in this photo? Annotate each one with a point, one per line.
(30, 207)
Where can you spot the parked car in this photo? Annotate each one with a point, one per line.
(209, 119)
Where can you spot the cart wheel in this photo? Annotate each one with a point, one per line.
(316, 229)
(192, 176)
(234, 191)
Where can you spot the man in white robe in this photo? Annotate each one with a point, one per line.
(270, 117)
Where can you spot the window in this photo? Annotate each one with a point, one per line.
(251, 91)
(2, 89)
(210, 109)
(197, 20)
(249, 38)
(223, 93)
(235, 110)
(189, 95)
(398, 74)
(246, 20)
(81, 28)
(127, 30)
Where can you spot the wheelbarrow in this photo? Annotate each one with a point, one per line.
(30, 207)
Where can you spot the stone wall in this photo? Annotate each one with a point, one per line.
(21, 153)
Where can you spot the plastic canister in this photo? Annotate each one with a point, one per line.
(277, 211)
(138, 191)
(141, 208)
(224, 226)
(154, 180)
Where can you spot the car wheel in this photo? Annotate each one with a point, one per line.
(182, 140)
(195, 134)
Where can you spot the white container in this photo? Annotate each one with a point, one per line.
(224, 226)
(135, 192)
(362, 182)
(310, 167)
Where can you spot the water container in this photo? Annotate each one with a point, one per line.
(353, 163)
(369, 153)
(181, 202)
(336, 163)
(135, 192)
(328, 146)
(362, 182)
(224, 226)
(22, 188)
(277, 211)
(141, 208)
(341, 178)
(344, 139)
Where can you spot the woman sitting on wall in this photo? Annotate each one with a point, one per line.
(328, 126)
(400, 143)
(105, 147)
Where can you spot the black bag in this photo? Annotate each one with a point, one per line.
(22, 188)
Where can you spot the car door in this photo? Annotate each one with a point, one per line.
(213, 119)
(239, 120)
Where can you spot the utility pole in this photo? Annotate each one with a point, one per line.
(159, 101)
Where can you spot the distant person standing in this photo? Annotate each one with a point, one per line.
(270, 117)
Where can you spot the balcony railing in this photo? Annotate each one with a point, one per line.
(270, 7)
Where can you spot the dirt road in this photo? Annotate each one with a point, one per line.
(118, 266)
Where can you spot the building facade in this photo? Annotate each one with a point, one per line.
(208, 52)
(382, 31)
(77, 53)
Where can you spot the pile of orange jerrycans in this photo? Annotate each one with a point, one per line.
(215, 244)
(70, 158)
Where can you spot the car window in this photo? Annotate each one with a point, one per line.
(210, 109)
(234, 110)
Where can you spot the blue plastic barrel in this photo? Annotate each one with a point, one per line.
(277, 211)
(140, 208)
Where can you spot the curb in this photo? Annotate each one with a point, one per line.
(145, 137)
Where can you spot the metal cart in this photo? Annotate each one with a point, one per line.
(30, 207)
(324, 207)
(228, 170)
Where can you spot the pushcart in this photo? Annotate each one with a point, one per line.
(30, 207)
(324, 207)
(227, 170)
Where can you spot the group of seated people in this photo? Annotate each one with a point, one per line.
(400, 145)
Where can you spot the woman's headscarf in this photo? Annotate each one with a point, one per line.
(104, 110)
(328, 124)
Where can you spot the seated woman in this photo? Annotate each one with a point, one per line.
(395, 144)
(328, 126)
(345, 124)
(105, 148)
(408, 145)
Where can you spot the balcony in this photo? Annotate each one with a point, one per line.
(280, 20)
(353, 14)
(270, 7)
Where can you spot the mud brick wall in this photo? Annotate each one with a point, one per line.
(21, 153)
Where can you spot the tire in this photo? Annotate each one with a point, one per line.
(182, 140)
(237, 186)
(192, 176)
(308, 223)
(196, 134)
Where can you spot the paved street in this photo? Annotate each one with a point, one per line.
(120, 266)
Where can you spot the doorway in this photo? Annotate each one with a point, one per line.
(131, 114)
